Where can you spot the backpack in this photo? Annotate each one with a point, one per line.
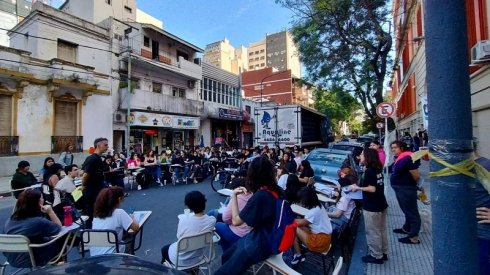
(281, 238)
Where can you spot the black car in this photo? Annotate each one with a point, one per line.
(112, 264)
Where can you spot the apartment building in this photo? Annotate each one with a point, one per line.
(282, 53)
(223, 55)
(257, 55)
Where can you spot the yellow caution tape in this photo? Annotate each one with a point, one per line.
(464, 167)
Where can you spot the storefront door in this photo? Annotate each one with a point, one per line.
(178, 140)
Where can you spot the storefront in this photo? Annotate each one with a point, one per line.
(222, 128)
(153, 131)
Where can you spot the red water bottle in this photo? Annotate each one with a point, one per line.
(68, 218)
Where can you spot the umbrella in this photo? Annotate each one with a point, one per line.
(201, 141)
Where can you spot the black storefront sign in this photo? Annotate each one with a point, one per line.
(230, 114)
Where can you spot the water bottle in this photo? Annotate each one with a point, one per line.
(68, 219)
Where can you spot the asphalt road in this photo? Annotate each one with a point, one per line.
(161, 228)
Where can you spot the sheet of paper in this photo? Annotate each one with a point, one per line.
(77, 194)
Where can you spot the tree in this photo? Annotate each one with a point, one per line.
(343, 43)
(338, 106)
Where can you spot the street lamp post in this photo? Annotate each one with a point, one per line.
(262, 84)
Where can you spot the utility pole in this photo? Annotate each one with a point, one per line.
(450, 132)
(128, 109)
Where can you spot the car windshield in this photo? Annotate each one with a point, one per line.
(330, 158)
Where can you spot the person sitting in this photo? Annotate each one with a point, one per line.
(118, 162)
(229, 232)
(341, 212)
(51, 178)
(283, 174)
(259, 213)
(306, 172)
(195, 163)
(190, 225)
(109, 215)
(133, 161)
(315, 229)
(242, 164)
(346, 178)
(64, 188)
(22, 178)
(153, 169)
(46, 164)
(298, 157)
(180, 172)
(293, 186)
(29, 219)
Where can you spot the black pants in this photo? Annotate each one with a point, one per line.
(407, 199)
(165, 256)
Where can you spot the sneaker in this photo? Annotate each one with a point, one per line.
(407, 240)
(371, 260)
(385, 257)
(400, 231)
(139, 187)
(297, 258)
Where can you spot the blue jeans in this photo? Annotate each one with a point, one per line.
(228, 238)
(484, 255)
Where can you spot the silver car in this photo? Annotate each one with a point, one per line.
(326, 164)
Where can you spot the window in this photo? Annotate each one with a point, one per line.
(251, 60)
(67, 51)
(128, 9)
(251, 53)
(108, 2)
(262, 64)
(157, 87)
(65, 118)
(256, 52)
(250, 67)
(5, 115)
(261, 51)
(256, 59)
(146, 41)
(178, 92)
(262, 57)
(248, 109)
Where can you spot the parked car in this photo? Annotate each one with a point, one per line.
(326, 163)
(112, 264)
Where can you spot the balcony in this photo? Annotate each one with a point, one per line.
(162, 103)
(59, 143)
(166, 61)
(9, 146)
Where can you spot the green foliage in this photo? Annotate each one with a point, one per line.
(344, 43)
(338, 106)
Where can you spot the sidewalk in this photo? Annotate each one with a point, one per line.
(5, 186)
(402, 258)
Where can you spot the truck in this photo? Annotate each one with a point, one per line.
(289, 125)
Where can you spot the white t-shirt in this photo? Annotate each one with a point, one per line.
(119, 221)
(319, 220)
(65, 184)
(347, 205)
(282, 181)
(190, 225)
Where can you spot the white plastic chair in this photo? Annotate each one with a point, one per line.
(201, 241)
(21, 244)
(101, 238)
(338, 266)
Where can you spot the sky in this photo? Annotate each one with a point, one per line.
(201, 22)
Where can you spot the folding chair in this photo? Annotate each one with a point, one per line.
(101, 238)
(21, 244)
(338, 266)
(201, 241)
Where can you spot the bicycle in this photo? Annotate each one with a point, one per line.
(222, 173)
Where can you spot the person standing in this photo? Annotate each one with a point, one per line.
(416, 142)
(22, 178)
(375, 207)
(404, 180)
(93, 177)
(66, 157)
(381, 153)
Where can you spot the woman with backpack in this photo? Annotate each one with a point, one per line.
(315, 230)
(258, 213)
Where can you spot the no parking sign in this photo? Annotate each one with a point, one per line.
(385, 109)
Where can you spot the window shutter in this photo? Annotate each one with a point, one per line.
(5, 115)
(67, 51)
(65, 120)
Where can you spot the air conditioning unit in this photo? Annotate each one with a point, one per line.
(120, 117)
(191, 84)
(480, 53)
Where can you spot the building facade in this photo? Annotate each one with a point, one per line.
(282, 53)
(257, 55)
(220, 92)
(281, 87)
(223, 55)
(408, 82)
(53, 91)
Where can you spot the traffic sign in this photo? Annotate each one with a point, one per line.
(385, 109)
(380, 125)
